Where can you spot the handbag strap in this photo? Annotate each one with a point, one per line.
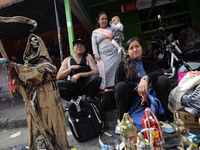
(137, 101)
(152, 92)
(135, 104)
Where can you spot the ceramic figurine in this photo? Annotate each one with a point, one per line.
(128, 133)
(142, 143)
(150, 121)
(181, 132)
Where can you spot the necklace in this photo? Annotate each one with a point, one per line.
(138, 67)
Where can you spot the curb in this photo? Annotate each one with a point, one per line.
(10, 123)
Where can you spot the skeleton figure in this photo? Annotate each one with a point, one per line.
(40, 142)
(36, 81)
(34, 42)
(35, 45)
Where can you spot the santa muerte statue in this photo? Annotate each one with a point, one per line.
(36, 82)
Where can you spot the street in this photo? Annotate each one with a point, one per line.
(14, 134)
(20, 135)
(7, 143)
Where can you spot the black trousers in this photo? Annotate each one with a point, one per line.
(88, 86)
(124, 96)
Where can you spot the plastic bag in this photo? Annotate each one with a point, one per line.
(186, 85)
(100, 66)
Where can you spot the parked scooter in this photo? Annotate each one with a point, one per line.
(171, 47)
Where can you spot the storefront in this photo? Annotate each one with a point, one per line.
(139, 18)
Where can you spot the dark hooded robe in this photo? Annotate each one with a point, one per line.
(37, 84)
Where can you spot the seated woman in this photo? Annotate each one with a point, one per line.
(134, 74)
(82, 72)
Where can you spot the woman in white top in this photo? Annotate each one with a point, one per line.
(104, 50)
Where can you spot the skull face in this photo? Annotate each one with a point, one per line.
(34, 42)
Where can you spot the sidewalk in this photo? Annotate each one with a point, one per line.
(15, 117)
(12, 117)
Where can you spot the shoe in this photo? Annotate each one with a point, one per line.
(167, 127)
(117, 128)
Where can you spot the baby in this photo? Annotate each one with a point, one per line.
(117, 33)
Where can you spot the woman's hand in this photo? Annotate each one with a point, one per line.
(143, 89)
(75, 78)
(97, 59)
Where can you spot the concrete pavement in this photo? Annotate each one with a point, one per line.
(13, 119)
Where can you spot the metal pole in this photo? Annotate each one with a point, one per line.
(69, 25)
(58, 30)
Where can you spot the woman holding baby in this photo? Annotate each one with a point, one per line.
(104, 50)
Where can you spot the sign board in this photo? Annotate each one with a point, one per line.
(142, 4)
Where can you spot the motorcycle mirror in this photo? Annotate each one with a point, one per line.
(159, 17)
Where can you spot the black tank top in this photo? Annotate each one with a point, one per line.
(83, 63)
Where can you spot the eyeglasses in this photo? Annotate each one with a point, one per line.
(81, 45)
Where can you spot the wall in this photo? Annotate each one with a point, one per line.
(132, 25)
(195, 5)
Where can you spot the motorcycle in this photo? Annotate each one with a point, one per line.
(175, 53)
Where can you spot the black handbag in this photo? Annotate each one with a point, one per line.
(86, 118)
(107, 99)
